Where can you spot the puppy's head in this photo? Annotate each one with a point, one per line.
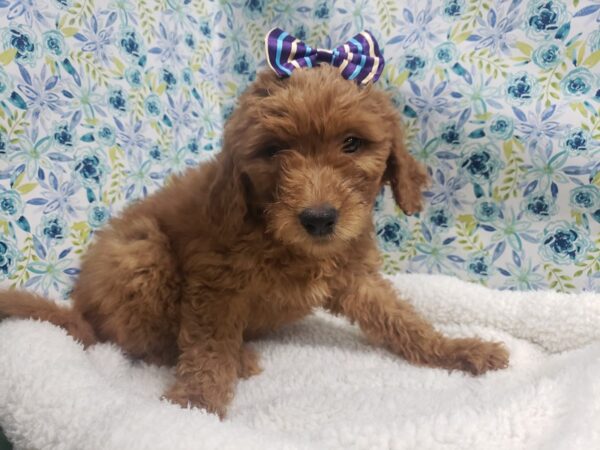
(311, 152)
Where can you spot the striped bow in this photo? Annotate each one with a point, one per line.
(359, 59)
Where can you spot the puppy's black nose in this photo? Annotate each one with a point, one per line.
(319, 221)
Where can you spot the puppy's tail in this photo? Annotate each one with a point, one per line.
(26, 305)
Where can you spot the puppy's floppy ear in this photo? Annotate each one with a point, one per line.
(228, 206)
(406, 176)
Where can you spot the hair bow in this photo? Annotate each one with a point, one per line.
(358, 59)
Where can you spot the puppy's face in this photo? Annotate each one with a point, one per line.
(311, 153)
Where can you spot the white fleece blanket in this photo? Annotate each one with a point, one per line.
(323, 387)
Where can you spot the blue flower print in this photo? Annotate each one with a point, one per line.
(6, 85)
(481, 163)
(392, 235)
(63, 136)
(241, 66)
(254, 8)
(131, 45)
(53, 229)
(25, 43)
(479, 266)
(11, 205)
(521, 88)
(54, 44)
(545, 17)
(416, 64)
(91, 169)
(169, 78)
(9, 257)
(193, 146)
(495, 31)
(486, 211)
(450, 135)
(98, 215)
(594, 41)
(576, 141)
(133, 75)
(585, 198)
(548, 55)
(153, 106)
(453, 9)
(105, 135)
(3, 144)
(578, 83)
(156, 153)
(205, 29)
(445, 54)
(117, 101)
(190, 41)
(539, 207)
(501, 127)
(322, 10)
(564, 243)
(439, 217)
(187, 76)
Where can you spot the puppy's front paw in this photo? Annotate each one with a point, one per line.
(476, 356)
(185, 397)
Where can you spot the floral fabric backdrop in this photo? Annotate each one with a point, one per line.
(102, 100)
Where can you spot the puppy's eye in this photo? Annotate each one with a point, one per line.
(270, 151)
(352, 144)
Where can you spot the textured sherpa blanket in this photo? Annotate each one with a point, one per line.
(324, 387)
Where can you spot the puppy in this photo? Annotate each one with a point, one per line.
(278, 224)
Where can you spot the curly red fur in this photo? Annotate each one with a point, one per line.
(219, 256)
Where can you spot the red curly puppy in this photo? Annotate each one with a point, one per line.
(280, 223)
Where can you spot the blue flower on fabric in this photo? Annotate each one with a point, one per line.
(479, 266)
(564, 243)
(11, 205)
(545, 17)
(190, 41)
(156, 153)
(453, 9)
(481, 163)
(322, 10)
(205, 29)
(169, 78)
(439, 217)
(105, 135)
(193, 146)
(3, 144)
(63, 136)
(501, 127)
(53, 228)
(187, 76)
(445, 54)
(576, 141)
(579, 82)
(6, 84)
(391, 234)
(24, 42)
(415, 64)
(450, 135)
(521, 88)
(594, 41)
(131, 44)
(254, 8)
(9, 256)
(539, 207)
(585, 198)
(98, 215)
(547, 56)
(241, 66)
(133, 75)
(90, 169)
(152, 105)
(486, 211)
(54, 44)
(117, 100)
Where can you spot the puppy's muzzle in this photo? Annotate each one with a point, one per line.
(319, 221)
